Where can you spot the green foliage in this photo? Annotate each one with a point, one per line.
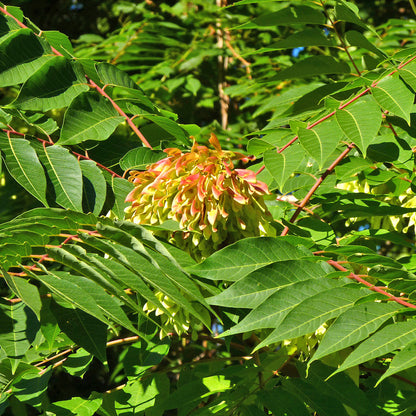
(102, 316)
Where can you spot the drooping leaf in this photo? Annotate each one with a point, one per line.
(89, 117)
(82, 328)
(54, 85)
(360, 122)
(23, 164)
(62, 287)
(393, 95)
(24, 290)
(358, 39)
(103, 300)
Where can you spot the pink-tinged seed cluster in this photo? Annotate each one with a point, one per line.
(213, 203)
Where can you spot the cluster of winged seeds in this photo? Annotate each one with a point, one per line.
(213, 203)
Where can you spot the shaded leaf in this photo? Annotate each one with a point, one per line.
(54, 85)
(82, 328)
(404, 359)
(289, 15)
(22, 54)
(94, 187)
(314, 65)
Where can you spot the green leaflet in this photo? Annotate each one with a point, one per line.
(121, 188)
(315, 65)
(324, 405)
(76, 405)
(24, 290)
(243, 257)
(321, 141)
(23, 53)
(282, 165)
(65, 173)
(360, 122)
(256, 287)
(313, 312)
(289, 15)
(94, 187)
(62, 287)
(353, 326)
(52, 86)
(357, 39)
(18, 329)
(140, 158)
(393, 95)
(408, 73)
(404, 359)
(391, 337)
(274, 310)
(90, 116)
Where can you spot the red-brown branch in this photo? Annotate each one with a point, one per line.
(92, 84)
(316, 185)
(372, 287)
